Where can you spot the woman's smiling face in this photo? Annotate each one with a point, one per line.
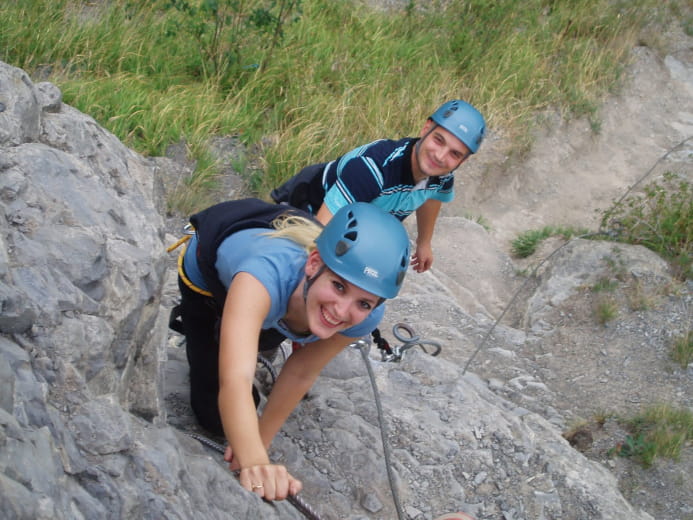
(332, 303)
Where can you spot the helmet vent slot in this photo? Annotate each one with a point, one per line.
(400, 277)
(341, 248)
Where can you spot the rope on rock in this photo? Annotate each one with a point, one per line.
(364, 346)
(267, 364)
(409, 339)
(512, 300)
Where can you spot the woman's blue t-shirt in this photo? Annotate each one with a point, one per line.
(278, 264)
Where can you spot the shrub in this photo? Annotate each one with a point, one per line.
(660, 218)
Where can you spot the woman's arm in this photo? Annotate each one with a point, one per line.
(295, 379)
(247, 303)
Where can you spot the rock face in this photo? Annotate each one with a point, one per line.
(83, 342)
(85, 428)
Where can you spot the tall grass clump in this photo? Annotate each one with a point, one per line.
(508, 58)
(682, 350)
(527, 242)
(658, 431)
(305, 81)
(528, 56)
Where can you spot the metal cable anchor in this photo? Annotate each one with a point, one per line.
(409, 339)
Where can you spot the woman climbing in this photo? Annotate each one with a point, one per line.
(245, 287)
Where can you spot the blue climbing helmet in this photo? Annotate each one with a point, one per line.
(463, 121)
(366, 246)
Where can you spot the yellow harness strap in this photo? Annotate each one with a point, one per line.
(181, 271)
(183, 240)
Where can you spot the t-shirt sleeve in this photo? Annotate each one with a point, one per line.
(446, 189)
(243, 252)
(358, 180)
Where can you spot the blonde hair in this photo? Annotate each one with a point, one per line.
(300, 230)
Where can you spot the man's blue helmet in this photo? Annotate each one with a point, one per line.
(462, 120)
(366, 246)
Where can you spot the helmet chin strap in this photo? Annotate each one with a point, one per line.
(310, 280)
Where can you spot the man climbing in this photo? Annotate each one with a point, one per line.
(400, 176)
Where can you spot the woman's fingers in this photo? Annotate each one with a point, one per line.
(270, 481)
(295, 486)
(228, 457)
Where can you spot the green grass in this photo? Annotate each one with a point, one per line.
(606, 310)
(605, 284)
(479, 219)
(527, 242)
(320, 77)
(658, 431)
(682, 351)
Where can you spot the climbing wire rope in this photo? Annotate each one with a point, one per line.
(409, 339)
(363, 347)
(601, 232)
(648, 172)
(512, 300)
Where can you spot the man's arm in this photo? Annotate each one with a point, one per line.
(323, 215)
(426, 217)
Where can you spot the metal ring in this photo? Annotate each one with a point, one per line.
(411, 338)
(256, 486)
